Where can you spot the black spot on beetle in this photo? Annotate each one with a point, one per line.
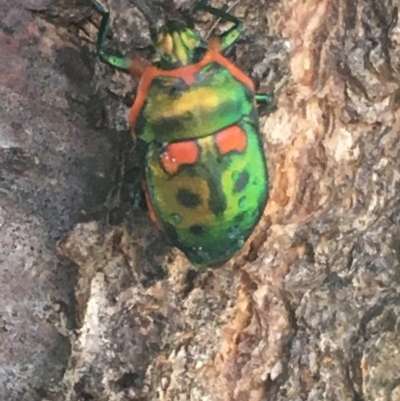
(187, 198)
(240, 217)
(217, 203)
(241, 182)
(167, 124)
(175, 93)
(197, 229)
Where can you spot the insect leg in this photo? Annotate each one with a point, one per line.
(229, 37)
(264, 98)
(135, 67)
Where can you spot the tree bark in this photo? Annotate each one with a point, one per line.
(309, 309)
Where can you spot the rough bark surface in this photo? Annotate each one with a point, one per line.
(308, 310)
(55, 170)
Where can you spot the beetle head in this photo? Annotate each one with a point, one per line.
(176, 45)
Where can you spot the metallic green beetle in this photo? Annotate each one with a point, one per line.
(195, 117)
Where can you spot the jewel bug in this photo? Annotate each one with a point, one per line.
(196, 123)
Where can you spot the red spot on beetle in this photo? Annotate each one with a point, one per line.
(177, 154)
(231, 139)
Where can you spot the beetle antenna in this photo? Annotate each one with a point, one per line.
(152, 15)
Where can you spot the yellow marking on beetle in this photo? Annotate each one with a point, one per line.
(167, 203)
(207, 145)
(204, 98)
(190, 40)
(179, 49)
(165, 43)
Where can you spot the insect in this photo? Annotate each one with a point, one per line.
(196, 123)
